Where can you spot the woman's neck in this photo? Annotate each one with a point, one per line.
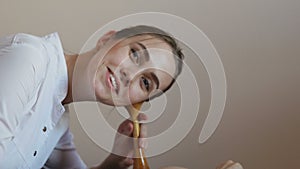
(70, 61)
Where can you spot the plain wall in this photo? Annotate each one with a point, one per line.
(258, 42)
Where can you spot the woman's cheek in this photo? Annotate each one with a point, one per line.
(135, 93)
(119, 58)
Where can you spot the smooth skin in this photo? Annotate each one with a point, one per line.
(141, 66)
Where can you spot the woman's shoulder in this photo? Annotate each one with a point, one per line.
(31, 47)
(29, 39)
(23, 57)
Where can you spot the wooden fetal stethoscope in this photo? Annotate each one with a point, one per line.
(140, 161)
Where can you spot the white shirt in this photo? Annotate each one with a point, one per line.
(33, 124)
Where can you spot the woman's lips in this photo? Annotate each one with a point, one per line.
(111, 80)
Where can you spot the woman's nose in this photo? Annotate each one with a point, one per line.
(125, 77)
(128, 71)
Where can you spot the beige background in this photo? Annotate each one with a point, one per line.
(258, 42)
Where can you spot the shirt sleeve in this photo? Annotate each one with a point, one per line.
(64, 155)
(22, 67)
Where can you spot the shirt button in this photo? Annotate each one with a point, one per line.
(44, 129)
(35, 152)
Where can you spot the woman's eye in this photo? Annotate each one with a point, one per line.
(134, 56)
(146, 83)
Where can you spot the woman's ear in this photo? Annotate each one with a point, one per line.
(105, 38)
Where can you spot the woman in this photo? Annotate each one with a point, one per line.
(140, 62)
(37, 80)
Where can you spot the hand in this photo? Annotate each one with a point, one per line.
(122, 152)
(230, 165)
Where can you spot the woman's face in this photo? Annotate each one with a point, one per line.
(133, 70)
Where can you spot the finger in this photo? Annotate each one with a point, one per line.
(143, 143)
(126, 128)
(126, 163)
(123, 125)
(142, 117)
(225, 165)
(172, 167)
(235, 166)
(130, 154)
(129, 129)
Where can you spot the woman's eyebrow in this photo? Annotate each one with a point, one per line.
(145, 51)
